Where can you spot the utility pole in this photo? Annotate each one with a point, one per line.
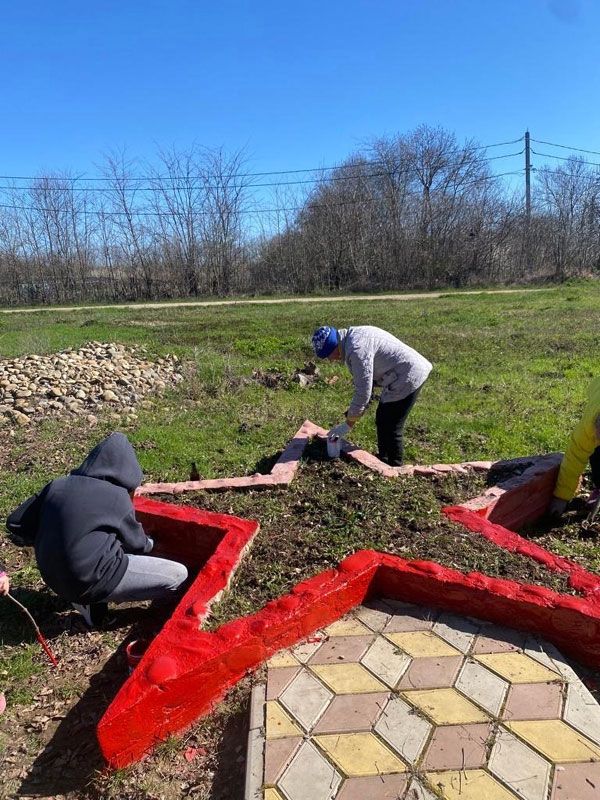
(527, 179)
(527, 202)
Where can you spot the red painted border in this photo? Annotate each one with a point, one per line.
(185, 674)
(186, 671)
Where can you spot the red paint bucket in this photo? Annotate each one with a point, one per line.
(134, 651)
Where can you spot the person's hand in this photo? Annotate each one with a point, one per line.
(557, 507)
(339, 431)
(4, 583)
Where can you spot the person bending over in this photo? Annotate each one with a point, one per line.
(583, 446)
(89, 547)
(376, 358)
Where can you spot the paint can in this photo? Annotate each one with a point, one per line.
(334, 447)
(134, 651)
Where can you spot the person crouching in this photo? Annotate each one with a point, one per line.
(89, 547)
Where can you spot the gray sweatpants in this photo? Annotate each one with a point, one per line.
(148, 578)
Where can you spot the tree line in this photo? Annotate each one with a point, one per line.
(416, 210)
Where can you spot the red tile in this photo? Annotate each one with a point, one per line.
(352, 713)
(381, 787)
(340, 649)
(433, 672)
(458, 747)
(495, 639)
(576, 782)
(534, 701)
(278, 678)
(278, 754)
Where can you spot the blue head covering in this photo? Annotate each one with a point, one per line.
(324, 341)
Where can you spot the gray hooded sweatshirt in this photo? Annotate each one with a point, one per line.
(83, 526)
(376, 358)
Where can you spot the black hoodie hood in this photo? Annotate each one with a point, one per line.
(113, 460)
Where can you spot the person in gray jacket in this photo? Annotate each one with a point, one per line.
(89, 546)
(376, 358)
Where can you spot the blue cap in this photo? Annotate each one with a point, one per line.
(324, 341)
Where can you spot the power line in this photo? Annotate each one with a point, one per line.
(134, 213)
(158, 177)
(566, 158)
(566, 147)
(161, 188)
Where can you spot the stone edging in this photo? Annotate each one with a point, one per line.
(284, 471)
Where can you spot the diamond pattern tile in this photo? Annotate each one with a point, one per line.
(421, 644)
(306, 699)
(310, 776)
(431, 673)
(352, 712)
(482, 686)
(458, 747)
(472, 784)
(520, 767)
(348, 678)
(341, 649)
(347, 626)
(404, 730)
(445, 706)
(577, 782)
(534, 701)
(398, 702)
(582, 712)
(358, 754)
(386, 661)
(517, 667)
(382, 787)
(279, 723)
(556, 740)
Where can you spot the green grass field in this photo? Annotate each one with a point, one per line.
(509, 379)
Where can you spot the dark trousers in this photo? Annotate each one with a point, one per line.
(390, 419)
(595, 467)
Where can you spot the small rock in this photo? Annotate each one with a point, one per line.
(108, 396)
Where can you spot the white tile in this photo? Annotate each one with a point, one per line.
(375, 615)
(306, 699)
(582, 711)
(457, 631)
(482, 686)
(386, 661)
(309, 776)
(403, 729)
(526, 772)
(418, 792)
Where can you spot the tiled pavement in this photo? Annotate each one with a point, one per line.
(399, 701)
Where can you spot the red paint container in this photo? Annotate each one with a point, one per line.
(134, 651)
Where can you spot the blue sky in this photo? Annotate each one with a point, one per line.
(297, 84)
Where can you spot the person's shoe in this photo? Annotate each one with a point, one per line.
(593, 497)
(93, 614)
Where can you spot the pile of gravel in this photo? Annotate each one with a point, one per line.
(76, 381)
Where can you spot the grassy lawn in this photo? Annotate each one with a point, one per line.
(509, 379)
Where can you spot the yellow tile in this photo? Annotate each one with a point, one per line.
(420, 644)
(359, 754)
(348, 678)
(348, 627)
(279, 724)
(272, 794)
(556, 740)
(283, 659)
(517, 667)
(446, 706)
(469, 784)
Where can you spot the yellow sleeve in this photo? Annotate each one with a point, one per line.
(580, 447)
